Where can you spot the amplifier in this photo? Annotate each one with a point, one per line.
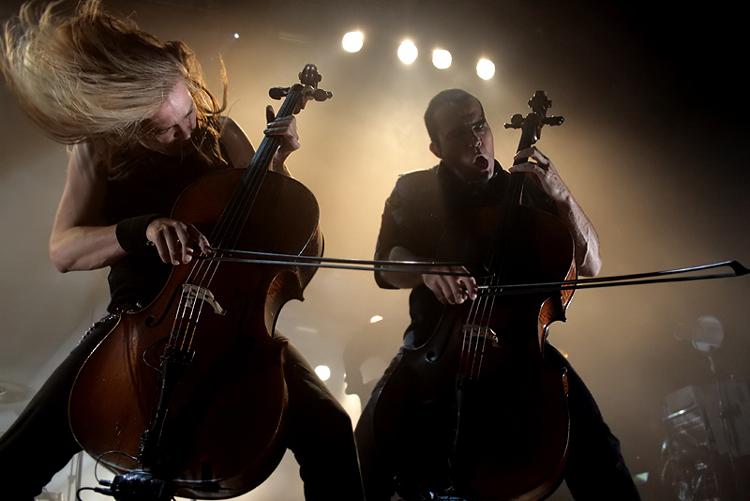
(696, 412)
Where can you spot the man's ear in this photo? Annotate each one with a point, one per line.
(435, 149)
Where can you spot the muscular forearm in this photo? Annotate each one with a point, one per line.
(84, 248)
(453, 288)
(402, 280)
(588, 258)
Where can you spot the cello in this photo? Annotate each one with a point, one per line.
(187, 396)
(476, 413)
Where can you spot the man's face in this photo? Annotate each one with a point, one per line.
(465, 142)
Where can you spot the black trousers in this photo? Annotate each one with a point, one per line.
(595, 469)
(319, 431)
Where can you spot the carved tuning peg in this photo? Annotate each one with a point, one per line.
(278, 92)
(516, 122)
(553, 120)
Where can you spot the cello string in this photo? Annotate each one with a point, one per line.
(253, 178)
(478, 321)
(202, 295)
(487, 315)
(495, 262)
(195, 283)
(196, 288)
(205, 290)
(233, 221)
(183, 320)
(237, 211)
(227, 232)
(249, 194)
(469, 331)
(485, 333)
(230, 224)
(201, 277)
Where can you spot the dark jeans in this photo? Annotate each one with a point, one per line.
(319, 433)
(595, 469)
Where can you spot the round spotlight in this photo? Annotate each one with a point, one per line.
(353, 41)
(407, 52)
(236, 36)
(485, 69)
(376, 319)
(323, 372)
(441, 59)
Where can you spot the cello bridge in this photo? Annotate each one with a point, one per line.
(192, 293)
(473, 333)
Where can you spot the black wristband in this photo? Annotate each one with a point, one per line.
(131, 232)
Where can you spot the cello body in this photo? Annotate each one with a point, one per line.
(502, 435)
(222, 427)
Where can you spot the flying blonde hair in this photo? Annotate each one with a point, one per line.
(93, 76)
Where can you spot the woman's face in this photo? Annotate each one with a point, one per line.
(173, 124)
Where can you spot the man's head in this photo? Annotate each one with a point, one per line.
(460, 135)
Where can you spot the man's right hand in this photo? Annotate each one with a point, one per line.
(451, 289)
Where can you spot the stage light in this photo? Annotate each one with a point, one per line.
(485, 69)
(375, 319)
(323, 372)
(407, 52)
(236, 36)
(441, 59)
(353, 41)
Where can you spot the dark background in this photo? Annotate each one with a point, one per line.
(653, 147)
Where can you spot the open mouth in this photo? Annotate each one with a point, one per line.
(481, 163)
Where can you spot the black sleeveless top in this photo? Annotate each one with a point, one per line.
(152, 187)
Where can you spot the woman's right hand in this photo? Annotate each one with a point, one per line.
(176, 242)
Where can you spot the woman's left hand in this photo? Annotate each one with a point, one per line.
(286, 128)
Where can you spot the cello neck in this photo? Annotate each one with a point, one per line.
(531, 131)
(268, 146)
(231, 223)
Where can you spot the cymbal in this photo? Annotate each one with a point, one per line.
(11, 393)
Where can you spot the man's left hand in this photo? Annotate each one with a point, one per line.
(542, 171)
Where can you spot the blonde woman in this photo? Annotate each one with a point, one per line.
(142, 126)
